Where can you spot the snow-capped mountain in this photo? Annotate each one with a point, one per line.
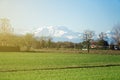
(58, 33)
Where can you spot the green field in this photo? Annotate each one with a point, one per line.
(48, 66)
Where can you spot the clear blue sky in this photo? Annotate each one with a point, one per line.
(78, 15)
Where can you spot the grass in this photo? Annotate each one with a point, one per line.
(25, 61)
(107, 73)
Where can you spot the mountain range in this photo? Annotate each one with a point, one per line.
(58, 33)
(62, 33)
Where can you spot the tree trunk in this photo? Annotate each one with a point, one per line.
(88, 47)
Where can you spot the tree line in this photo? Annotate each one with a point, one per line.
(29, 41)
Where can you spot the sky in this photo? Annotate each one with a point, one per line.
(77, 15)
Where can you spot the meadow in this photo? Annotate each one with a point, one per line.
(58, 66)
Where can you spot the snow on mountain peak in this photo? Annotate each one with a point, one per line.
(49, 31)
(70, 37)
(59, 33)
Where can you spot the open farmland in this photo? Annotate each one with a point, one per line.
(58, 66)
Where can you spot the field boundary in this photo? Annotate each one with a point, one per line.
(59, 68)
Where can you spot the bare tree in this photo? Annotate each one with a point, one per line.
(116, 34)
(28, 40)
(102, 35)
(102, 43)
(5, 26)
(49, 42)
(87, 37)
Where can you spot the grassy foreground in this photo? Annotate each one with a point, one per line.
(107, 73)
(28, 61)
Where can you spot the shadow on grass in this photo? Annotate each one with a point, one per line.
(68, 67)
